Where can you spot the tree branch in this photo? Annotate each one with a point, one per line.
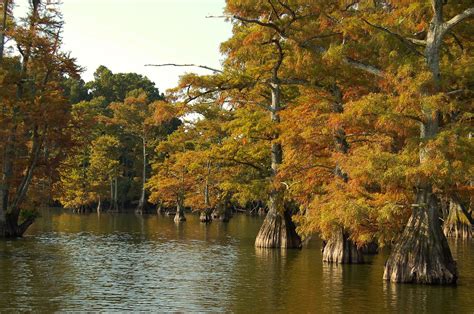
(287, 7)
(402, 39)
(258, 22)
(365, 67)
(352, 62)
(447, 26)
(457, 41)
(274, 9)
(281, 56)
(185, 65)
(240, 162)
(415, 41)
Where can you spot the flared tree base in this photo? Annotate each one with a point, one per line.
(339, 249)
(458, 230)
(457, 225)
(12, 229)
(179, 217)
(278, 231)
(422, 254)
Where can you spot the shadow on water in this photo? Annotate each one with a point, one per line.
(124, 262)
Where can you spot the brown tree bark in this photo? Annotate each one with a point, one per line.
(457, 224)
(278, 229)
(339, 249)
(422, 254)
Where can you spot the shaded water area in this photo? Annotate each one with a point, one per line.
(121, 262)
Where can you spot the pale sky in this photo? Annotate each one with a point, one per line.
(124, 35)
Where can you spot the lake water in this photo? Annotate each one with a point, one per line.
(123, 262)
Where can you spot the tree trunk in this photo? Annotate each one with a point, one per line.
(5, 184)
(113, 194)
(11, 228)
(261, 211)
(457, 224)
(339, 249)
(6, 6)
(99, 205)
(160, 210)
(371, 248)
(141, 203)
(206, 215)
(422, 254)
(9, 214)
(179, 216)
(278, 229)
(222, 211)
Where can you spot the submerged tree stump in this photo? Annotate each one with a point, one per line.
(278, 231)
(422, 254)
(339, 249)
(457, 223)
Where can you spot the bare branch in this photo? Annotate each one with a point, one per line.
(401, 38)
(457, 91)
(365, 67)
(274, 9)
(458, 42)
(306, 42)
(294, 81)
(185, 65)
(287, 7)
(281, 56)
(217, 17)
(354, 63)
(258, 22)
(205, 93)
(415, 41)
(458, 19)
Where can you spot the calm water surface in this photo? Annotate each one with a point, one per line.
(123, 262)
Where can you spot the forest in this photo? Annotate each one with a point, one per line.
(351, 121)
